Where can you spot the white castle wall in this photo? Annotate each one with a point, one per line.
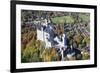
(43, 36)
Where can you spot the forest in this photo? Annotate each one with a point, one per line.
(67, 33)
